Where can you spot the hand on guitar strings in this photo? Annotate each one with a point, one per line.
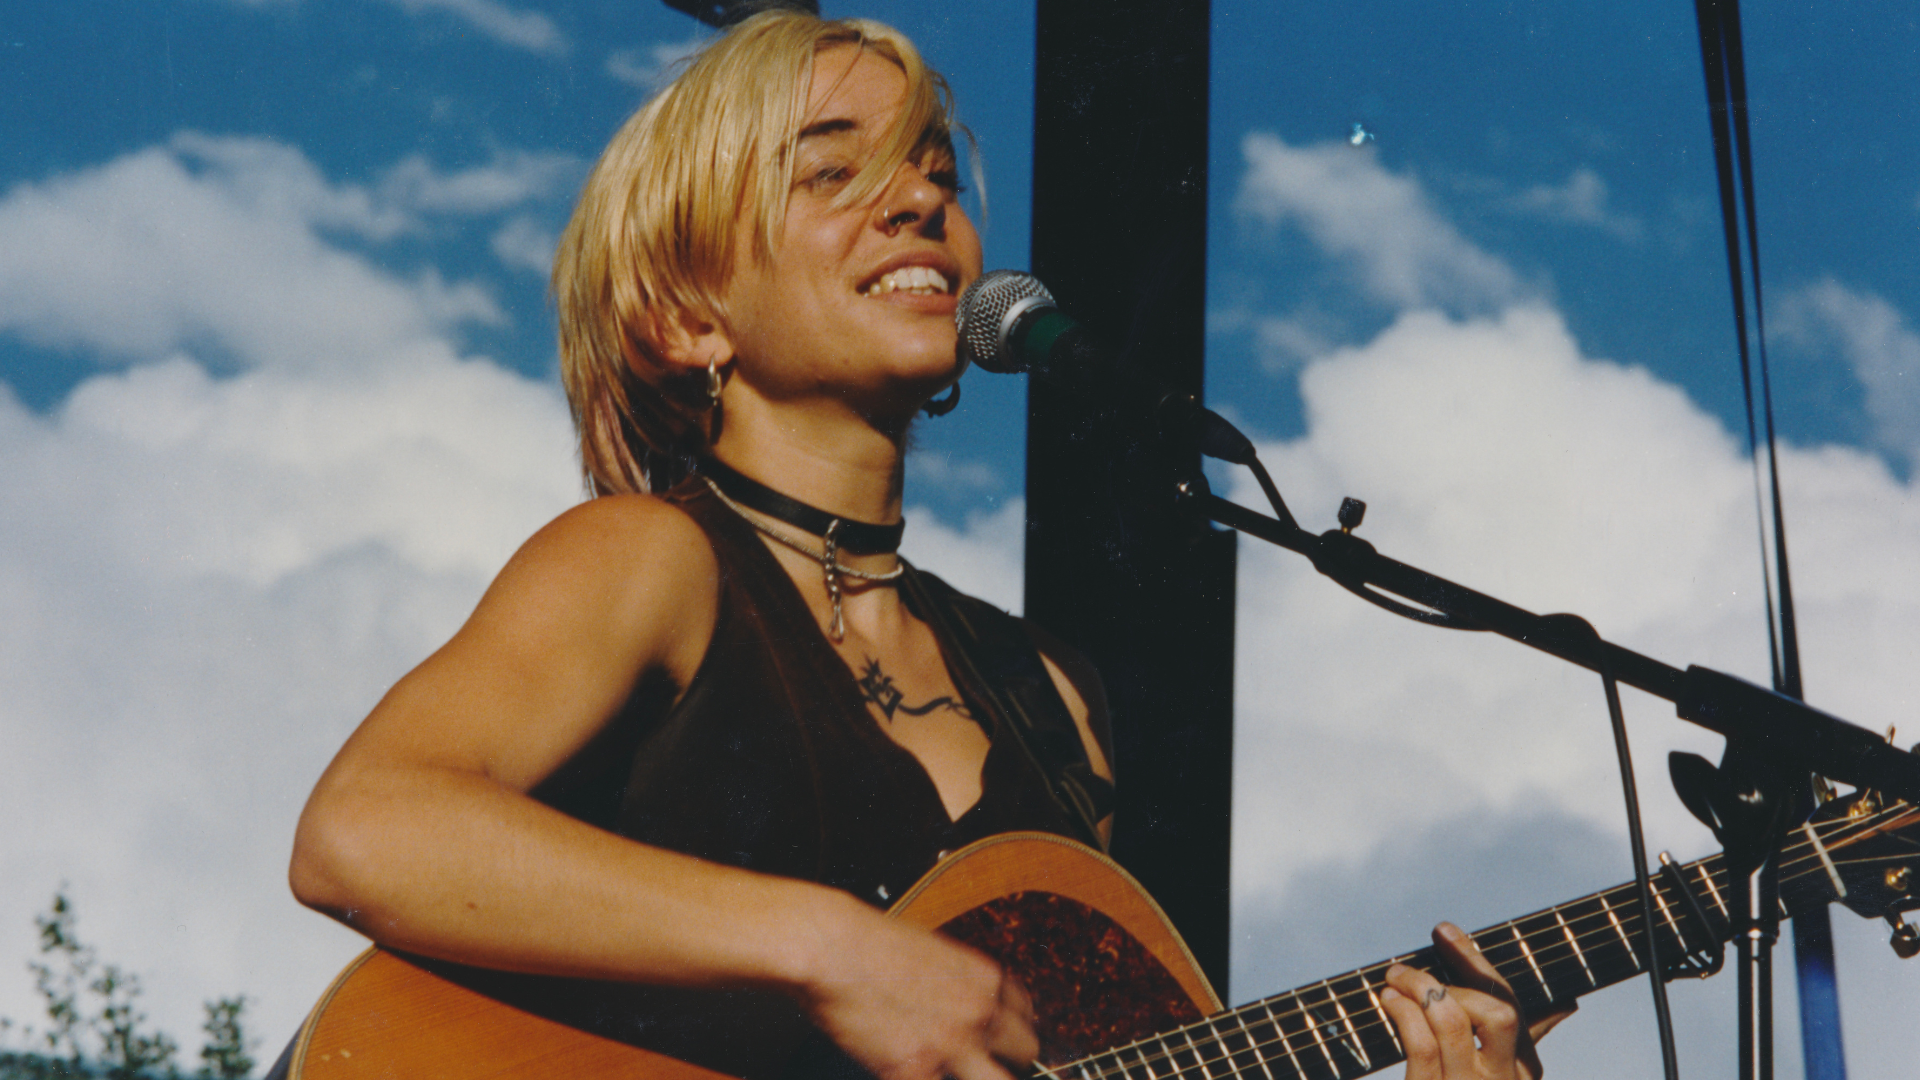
(909, 1004)
(1469, 1031)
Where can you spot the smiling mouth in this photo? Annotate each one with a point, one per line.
(912, 280)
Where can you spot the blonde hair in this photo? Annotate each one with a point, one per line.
(653, 238)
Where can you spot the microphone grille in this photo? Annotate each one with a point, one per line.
(987, 312)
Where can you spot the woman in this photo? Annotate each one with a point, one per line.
(743, 709)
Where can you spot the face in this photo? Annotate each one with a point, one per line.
(855, 303)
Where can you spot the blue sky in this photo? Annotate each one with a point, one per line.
(278, 400)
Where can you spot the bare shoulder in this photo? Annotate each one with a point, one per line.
(630, 574)
(1086, 696)
(614, 591)
(637, 537)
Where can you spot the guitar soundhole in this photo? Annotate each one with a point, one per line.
(1094, 985)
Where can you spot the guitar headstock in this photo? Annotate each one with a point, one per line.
(1871, 862)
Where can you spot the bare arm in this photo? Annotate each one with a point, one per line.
(422, 836)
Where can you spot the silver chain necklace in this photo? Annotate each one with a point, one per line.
(827, 555)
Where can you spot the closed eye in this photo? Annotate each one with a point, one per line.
(828, 177)
(948, 178)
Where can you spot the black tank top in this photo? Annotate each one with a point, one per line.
(772, 762)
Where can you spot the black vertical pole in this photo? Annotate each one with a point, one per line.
(1119, 236)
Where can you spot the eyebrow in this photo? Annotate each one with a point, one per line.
(825, 127)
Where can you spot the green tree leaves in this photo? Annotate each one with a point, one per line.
(95, 1029)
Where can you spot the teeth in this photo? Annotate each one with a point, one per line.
(919, 280)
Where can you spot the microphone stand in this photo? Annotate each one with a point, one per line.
(1773, 741)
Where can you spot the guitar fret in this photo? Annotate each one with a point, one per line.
(1172, 1056)
(1234, 1048)
(1527, 951)
(1714, 891)
(1679, 937)
(1253, 1045)
(1352, 1042)
(1384, 1021)
(1199, 1058)
(1285, 1042)
(1313, 1025)
(1632, 954)
(1144, 1063)
(1575, 946)
(1316, 1033)
(1337, 1028)
(1584, 930)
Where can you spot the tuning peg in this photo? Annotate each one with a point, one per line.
(1905, 940)
(1352, 513)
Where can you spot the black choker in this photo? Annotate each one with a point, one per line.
(852, 537)
(741, 494)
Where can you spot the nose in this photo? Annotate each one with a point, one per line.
(911, 200)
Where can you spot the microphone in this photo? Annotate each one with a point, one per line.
(997, 315)
(1009, 323)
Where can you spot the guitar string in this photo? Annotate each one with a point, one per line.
(1370, 1023)
(1371, 1019)
(1314, 1033)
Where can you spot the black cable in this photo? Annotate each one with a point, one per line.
(1723, 58)
(1636, 838)
(1727, 113)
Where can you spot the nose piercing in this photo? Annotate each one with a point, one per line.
(891, 221)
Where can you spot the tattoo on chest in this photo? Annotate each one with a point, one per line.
(877, 687)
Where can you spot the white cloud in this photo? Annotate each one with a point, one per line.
(929, 469)
(1378, 223)
(653, 67)
(209, 580)
(216, 577)
(1880, 345)
(1389, 774)
(525, 244)
(512, 178)
(1582, 200)
(216, 580)
(214, 244)
(1286, 342)
(528, 30)
(983, 559)
(1493, 452)
(225, 246)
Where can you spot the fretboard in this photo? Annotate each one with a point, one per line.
(1336, 1029)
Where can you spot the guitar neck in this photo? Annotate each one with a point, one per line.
(1336, 1029)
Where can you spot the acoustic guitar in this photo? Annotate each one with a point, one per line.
(1117, 993)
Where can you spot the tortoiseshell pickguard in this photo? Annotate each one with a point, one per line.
(1094, 985)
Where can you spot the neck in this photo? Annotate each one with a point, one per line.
(849, 470)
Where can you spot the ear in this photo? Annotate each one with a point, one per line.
(689, 340)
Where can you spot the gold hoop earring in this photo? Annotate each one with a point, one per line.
(714, 385)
